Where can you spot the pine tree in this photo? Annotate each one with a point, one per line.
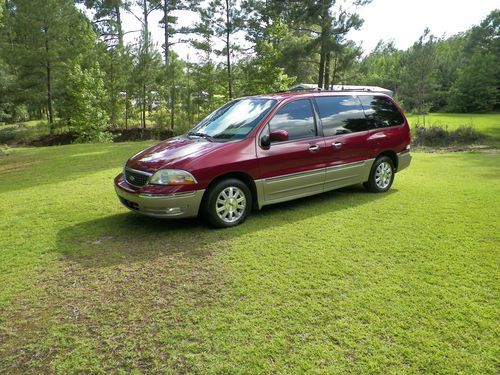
(40, 45)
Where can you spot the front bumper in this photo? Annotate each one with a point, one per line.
(404, 160)
(177, 205)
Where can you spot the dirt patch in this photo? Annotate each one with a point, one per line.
(123, 316)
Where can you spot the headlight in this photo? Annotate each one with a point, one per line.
(172, 177)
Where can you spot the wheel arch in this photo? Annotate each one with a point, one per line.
(392, 155)
(243, 177)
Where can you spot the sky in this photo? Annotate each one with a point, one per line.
(400, 20)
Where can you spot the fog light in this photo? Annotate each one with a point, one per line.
(174, 210)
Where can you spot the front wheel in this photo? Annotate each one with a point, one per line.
(381, 175)
(228, 203)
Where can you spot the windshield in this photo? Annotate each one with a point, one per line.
(234, 120)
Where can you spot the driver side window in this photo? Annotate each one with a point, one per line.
(296, 118)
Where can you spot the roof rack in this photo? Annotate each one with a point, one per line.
(309, 87)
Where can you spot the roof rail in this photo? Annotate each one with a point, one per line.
(308, 87)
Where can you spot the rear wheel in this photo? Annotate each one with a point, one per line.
(381, 175)
(228, 203)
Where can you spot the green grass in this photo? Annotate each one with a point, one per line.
(344, 282)
(487, 124)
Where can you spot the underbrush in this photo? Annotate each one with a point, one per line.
(38, 139)
(441, 136)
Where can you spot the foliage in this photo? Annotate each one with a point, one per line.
(440, 136)
(83, 107)
(286, 42)
(460, 73)
(419, 73)
(262, 73)
(484, 124)
(475, 88)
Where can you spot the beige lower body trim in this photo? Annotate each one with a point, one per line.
(179, 205)
(404, 160)
(299, 185)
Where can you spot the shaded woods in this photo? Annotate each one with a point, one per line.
(69, 63)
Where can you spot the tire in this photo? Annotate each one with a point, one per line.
(227, 203)
(381, 175)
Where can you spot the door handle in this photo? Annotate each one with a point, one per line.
(313, 148)
(337, 145)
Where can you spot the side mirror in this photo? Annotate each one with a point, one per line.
(265, 141)
(279, 136)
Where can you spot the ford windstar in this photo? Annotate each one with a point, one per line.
(259, 150)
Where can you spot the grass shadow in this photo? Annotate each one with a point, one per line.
(130, 237)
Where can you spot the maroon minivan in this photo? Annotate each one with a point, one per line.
(266, 149)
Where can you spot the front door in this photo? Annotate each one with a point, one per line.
(292, 168)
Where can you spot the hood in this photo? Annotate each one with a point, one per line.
(172, 153)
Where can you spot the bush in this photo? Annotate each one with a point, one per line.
(440, 136)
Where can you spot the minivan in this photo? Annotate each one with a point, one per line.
(265, 149)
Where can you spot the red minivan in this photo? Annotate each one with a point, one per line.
(266, 149)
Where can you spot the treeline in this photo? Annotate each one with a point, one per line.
(68, 62)
(460, 73)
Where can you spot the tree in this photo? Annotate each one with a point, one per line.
(223, 19)
(475, 89)
(381, 67)
(261, 72)
(170, 29)
(107, 18)
(419, 81)
(39, 47)
(84, 104)
(326, 23)
(146, 56)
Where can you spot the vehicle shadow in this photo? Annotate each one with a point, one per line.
(130, 237)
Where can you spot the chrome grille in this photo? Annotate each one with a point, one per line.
(136, 178)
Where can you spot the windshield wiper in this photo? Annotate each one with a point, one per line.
(201, 135)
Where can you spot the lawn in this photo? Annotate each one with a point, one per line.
(344, 282)
(487, 123)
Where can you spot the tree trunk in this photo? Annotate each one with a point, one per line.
(119, 27)
(143, 120)
(146, 67)
(112, 80)
(50, 109)
(321, 69)
(172, 103)
(228, 52)
(334, 75)
(327, 71)
(325, 34)
(166, 51)
(126, 110)
(146, 24)
(166, 48)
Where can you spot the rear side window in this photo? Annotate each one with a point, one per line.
(297, 118)
(381, 112)
(341, 115)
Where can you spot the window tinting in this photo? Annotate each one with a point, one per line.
(341, 115)
(297, 118)
(381, 112)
